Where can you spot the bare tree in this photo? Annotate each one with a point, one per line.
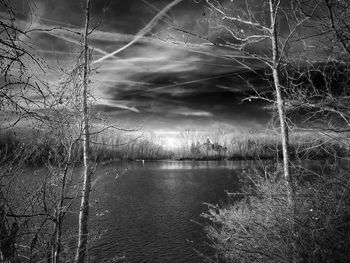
(318, 89)
(339, 18)
(254, 33)
(19, 65)
(187, 137)
(261, 34)
(18, 87)
(279, 97)
(331, 20)
(88, 166)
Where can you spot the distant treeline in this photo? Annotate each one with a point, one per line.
(263, 145)
(39, 146)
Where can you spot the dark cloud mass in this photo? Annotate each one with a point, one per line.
(156, 81)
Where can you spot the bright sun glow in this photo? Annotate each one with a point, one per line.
(171, 142)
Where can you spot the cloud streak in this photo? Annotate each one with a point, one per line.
(166, 81)
(142, 32)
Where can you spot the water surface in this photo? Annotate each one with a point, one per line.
(147, 212)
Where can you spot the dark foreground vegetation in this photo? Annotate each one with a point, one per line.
(260, 225)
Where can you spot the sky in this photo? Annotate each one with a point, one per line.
(166, 81)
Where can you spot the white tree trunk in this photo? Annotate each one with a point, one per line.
(280, 104)
(88, 169)
(284, 128)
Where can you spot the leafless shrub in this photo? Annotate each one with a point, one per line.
(257, 228)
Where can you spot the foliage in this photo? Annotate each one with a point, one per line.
(262, 227)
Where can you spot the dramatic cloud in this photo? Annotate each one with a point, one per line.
(167, 79)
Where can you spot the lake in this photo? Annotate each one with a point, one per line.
(150, 212)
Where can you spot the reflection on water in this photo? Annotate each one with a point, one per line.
(176, 165)
(148, 212)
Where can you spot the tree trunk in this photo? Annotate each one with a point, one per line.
(60, 213)
(7, 235)
(280, 105)
(84, 207)
(284, 128)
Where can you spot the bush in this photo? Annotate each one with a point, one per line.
(262, 227)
